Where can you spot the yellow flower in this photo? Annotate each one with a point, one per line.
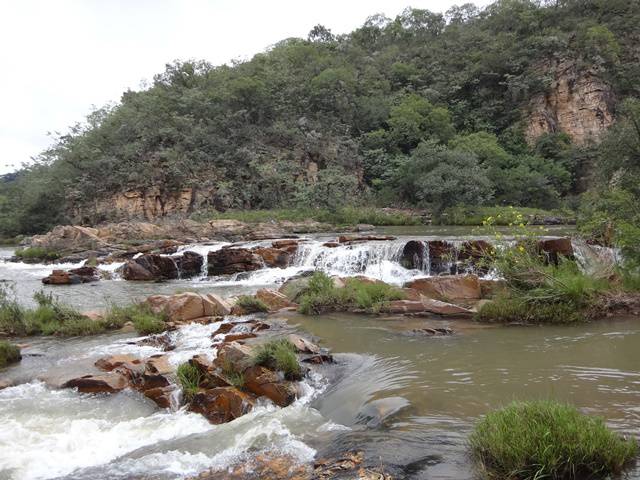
(521, 248)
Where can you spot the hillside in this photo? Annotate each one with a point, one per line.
(501, 106)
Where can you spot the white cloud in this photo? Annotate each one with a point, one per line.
(61, 57)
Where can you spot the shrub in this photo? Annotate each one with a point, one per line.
(9, 353)
(144, 320)
(189, 377)
(546, 439)
(279, 355)
(251, 304)
(36, 253)
(505, 308)
(51, 317)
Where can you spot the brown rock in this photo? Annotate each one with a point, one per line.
(273, 257)
(227, 261)
(223, 328)
(274, 300)
(222, 404)
(490, 288)
(103, 383)
(73, 276)
(202, 363)
(162, 396)
(364, 238)
(235, 355)
(449, 287)
(189, 264)
(415, 255)
(235, 337)
(263, 382)
(426, 305)
(179, 308)
(113, 361)
(158, 365)
(303, 345)
(215, 306)
(331, 244)
(554, 248)
(150, 267)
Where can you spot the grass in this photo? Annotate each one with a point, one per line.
(504, 216)
(144, 320)
(189, 377)
(251, 304)
(342, 216)
(36, 253)
(279, 355)
(551, 440)
(506, 308)
(322, 295)
(9, 353)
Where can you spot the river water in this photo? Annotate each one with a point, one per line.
(408, 401)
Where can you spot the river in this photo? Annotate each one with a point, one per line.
(408, 401)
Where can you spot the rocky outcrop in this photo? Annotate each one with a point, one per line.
(189, 264)
(73, 276)
(227, 261)
(150, 267)
(187, 307)
(274, 300)
(578, 102)
(448, 287)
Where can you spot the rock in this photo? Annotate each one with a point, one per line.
(444, 308)
(221, 404)
(215, 306)
(68, 238)
(449, 287)
(184, 307)
(274, 300)
(235, 355)
(150, 267)
(189, 264)
(158, 365)
(273, 257)
(318, 359)
(365, 227)
(331, 244)
(162, 396)
(201, 362)
(364, 238)
(103, 383)
(235, 337)
(113, 361)
(426, 305)
(441, 256)
(223, 328)
(73, 276)
(303, 345)
(227, 261)
(415, 256)
(554, 248)
(295, 286)
(5, 384)
(263, 382)
(432, 332)
(162, 340)
(290, 245)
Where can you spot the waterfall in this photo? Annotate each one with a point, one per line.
(595, 260)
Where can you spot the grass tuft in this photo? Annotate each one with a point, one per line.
(189, 377)
(251, 304)
(551, 440)
(9, 353)
(279, 355)
(144, 320)
(36, 253)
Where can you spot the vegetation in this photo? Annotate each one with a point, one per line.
(425, 109)
(504, 216)
(546, 439)
(251, 304)
(189, 377)
(279, 355)
(144, 320)
(9, 353)
(322, 295)
(36, 253)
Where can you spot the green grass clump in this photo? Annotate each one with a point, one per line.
(546, 439)
(321, 295)
(251, 304)
(279, 355)
(505, 308)
(36, 253)
(144, 320)
(9, 353)
(341, 216)
(189, 377)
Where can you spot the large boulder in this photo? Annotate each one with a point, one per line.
(102, 383)
(554, 248)
(227, 261)
(264, 383)
(68, 238)
(235, 356)
(150, 267)
(449, 287)
(274, 300)
(189, 264)
(415, 255)
(288, 245)
(188, 306)
(215, 306)
(273, 257)
(221, 404)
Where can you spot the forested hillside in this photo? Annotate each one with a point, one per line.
(508, 105)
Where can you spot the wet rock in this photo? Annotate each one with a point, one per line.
(290, 245)
(162, 341)
(215, 306)
(554, 248)
(113, 361)
(348, 239)
(158, 365)
(238, 337)
(415, 256)
(227, 261)
(303, 345)
(273, 257)
(188, 307)
(189, 264)
(449, 287)
(73, 276)
(223, 328)
(273, 299)
(377, 412)
(331, 244)
(236, 355)
(162, 396)
(441, 255)
(150, 267)
(318, 359)
(295, 287)
(103, 383)
(263, 382)
(221, 404)
(5, 384)
(432, 332)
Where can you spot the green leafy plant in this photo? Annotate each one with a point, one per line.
(144, 320)
(547, 439)
(189, 377)
(9, 353)
(279, 355)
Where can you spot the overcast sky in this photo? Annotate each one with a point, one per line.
(62, 57)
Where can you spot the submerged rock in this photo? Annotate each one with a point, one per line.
(415, 256)
(303, 345)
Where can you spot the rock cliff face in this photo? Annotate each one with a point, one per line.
(579, 103)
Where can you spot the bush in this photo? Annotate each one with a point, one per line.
(546, 439)
(144, 320)
(189, 377)
(279, 355)
(9, 353)
(36, 253)
(251, 304)
(322, 295)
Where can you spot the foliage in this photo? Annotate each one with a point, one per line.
(9, 353)
(144, 320)
(322, 295)
(279, 354)
(36, 253)
(251, 304)
(189, 377)
(335, 120)
(547, 439)
(503, 216)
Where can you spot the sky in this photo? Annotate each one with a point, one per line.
(63, 58)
